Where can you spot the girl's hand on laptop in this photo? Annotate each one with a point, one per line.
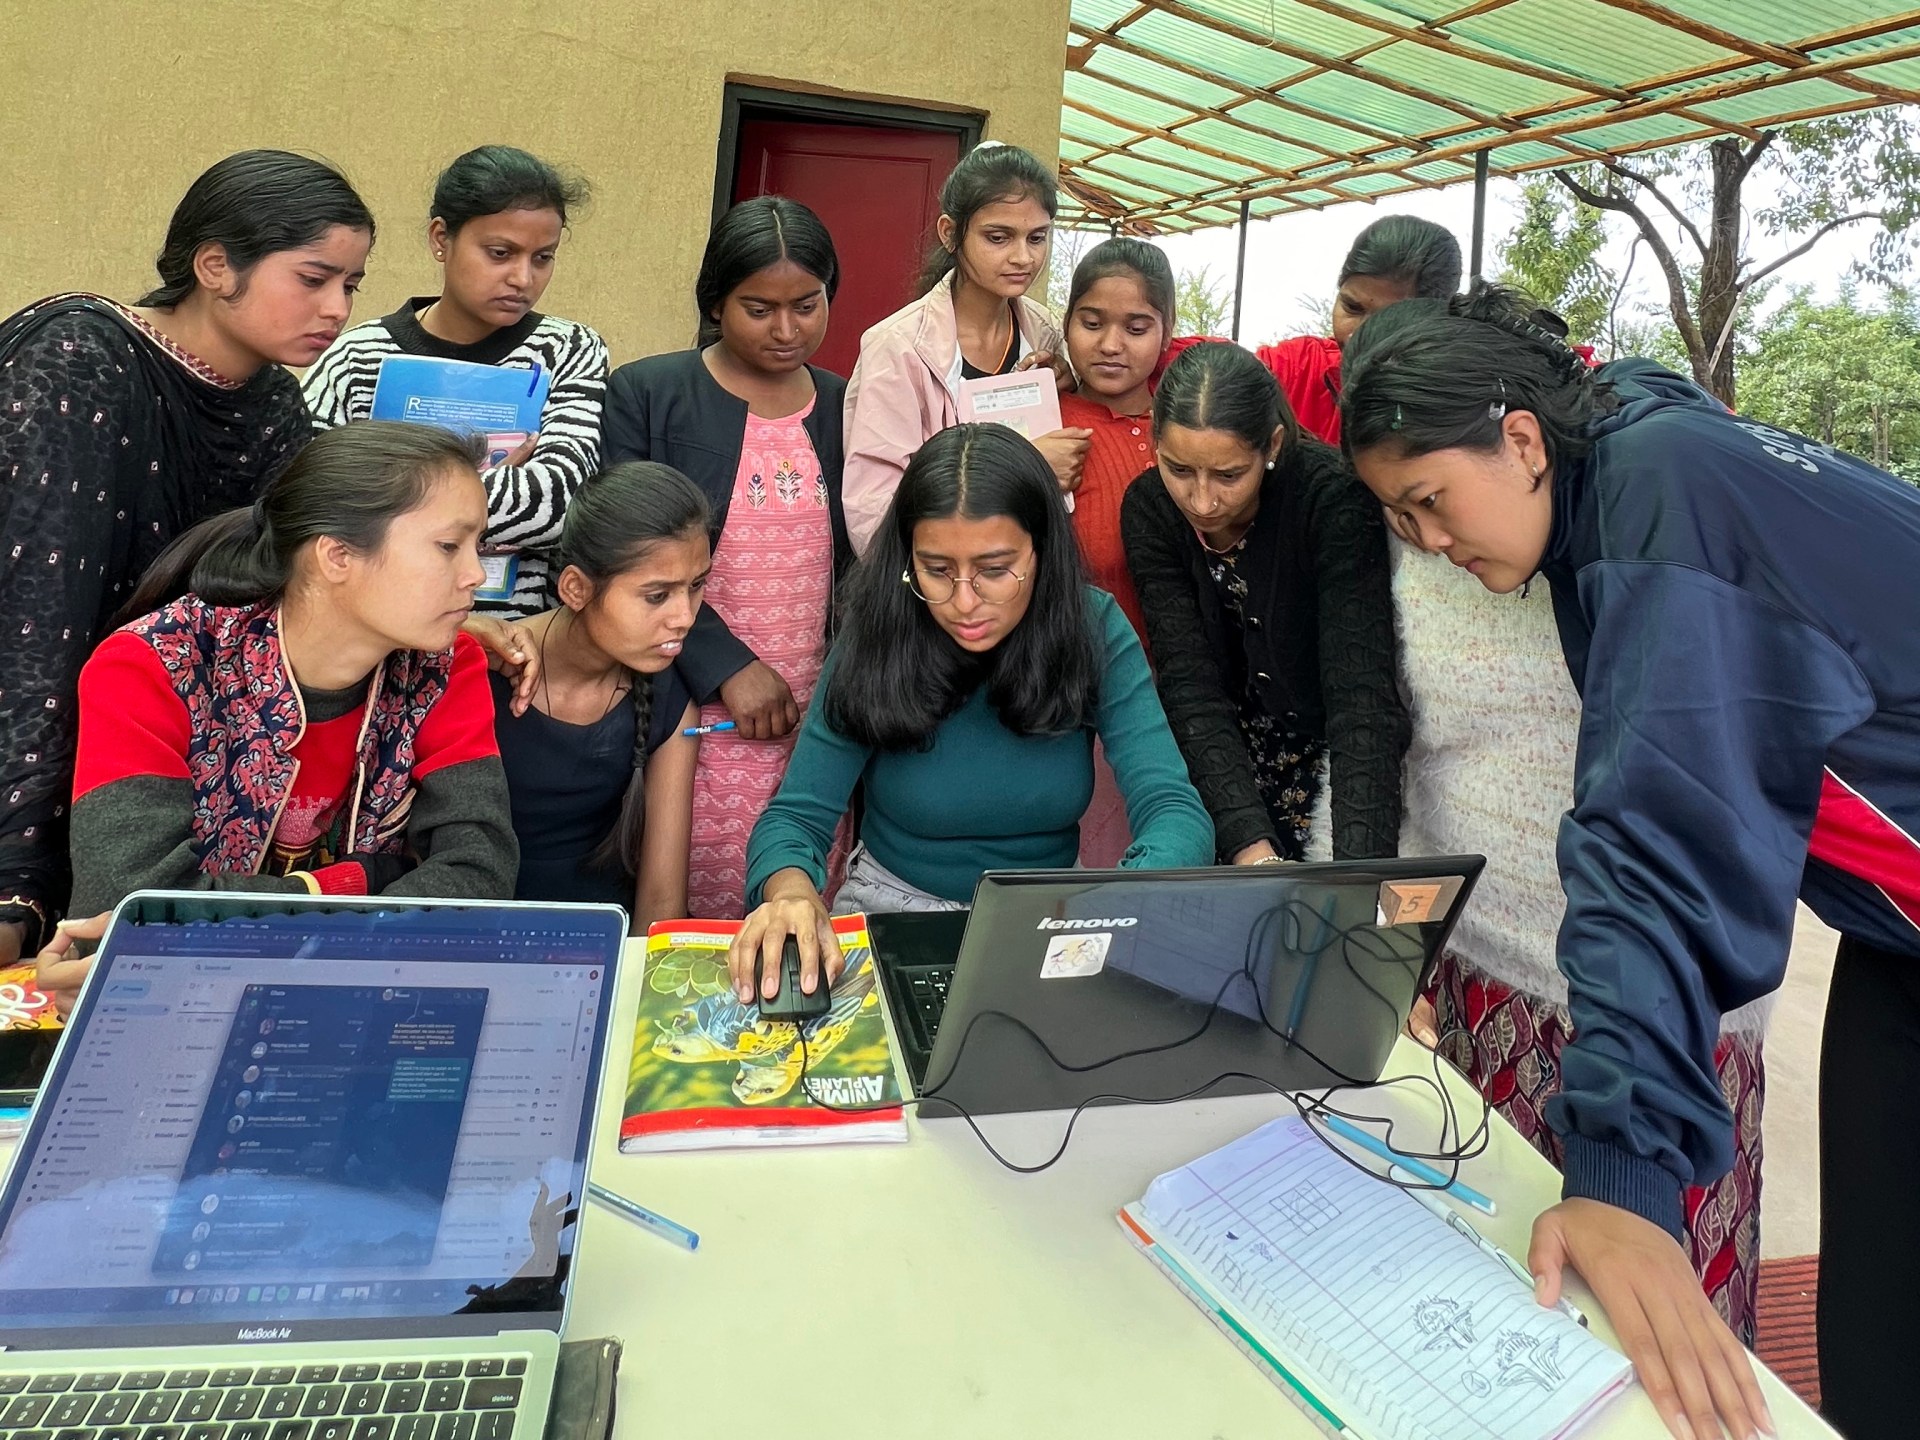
(792, 907)
(61, 973)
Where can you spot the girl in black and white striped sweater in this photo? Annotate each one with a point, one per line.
(498, 215)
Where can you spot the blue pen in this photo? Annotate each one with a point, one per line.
(1413, 1167)
(651, 1219)
(708, 729)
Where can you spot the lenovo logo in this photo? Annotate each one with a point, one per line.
(264, 1332)
(1119, 922)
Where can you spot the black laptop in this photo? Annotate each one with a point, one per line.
(1065, 986)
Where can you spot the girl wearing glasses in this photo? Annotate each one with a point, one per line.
(1262, 571)
(975, 670)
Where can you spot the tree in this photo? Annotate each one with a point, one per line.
(1848, 170)
(1202, 304)
(1844, 375)
(1068, 247)
(1554, 255)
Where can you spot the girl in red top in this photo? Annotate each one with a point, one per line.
(1119, 318)
(1397, 257)
(308, 716)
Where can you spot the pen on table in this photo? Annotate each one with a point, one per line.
(640, 1215)
(1426, 1173)
(708, 729)
(1459, 1224)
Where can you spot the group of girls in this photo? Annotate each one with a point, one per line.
(729, 602)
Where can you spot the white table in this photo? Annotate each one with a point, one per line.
(921, 1290)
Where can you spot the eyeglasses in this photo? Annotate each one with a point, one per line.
(994, 584)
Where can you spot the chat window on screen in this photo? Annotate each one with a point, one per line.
(329, 1129)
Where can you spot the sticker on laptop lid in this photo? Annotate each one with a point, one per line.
(1070, 957)
(1418, 902)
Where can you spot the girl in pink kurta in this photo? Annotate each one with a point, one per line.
(772, 581)
(758, 430)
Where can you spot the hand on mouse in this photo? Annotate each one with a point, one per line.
(791, 907)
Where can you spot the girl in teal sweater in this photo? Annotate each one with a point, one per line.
(973, 672)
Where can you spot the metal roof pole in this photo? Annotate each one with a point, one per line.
(1479, 209)
(1240, 266)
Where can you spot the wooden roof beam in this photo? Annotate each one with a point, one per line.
(1707, 131)
(1142, 128)
(1789, 57)
(1102, 151)
(1207, 112)
(1334, 63)
(1614, 117)
(1430, 37)
(1533, 129)
(1245, 93)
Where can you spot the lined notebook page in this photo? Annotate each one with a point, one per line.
(1416, 1333)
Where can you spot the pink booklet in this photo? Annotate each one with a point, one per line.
(1026, 402)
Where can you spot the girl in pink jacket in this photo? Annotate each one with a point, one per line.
(973, 318)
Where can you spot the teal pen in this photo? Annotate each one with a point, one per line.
(1420, 1171)
(650, 1219)
(708, 729)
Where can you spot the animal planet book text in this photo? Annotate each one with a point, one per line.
(708, 1071)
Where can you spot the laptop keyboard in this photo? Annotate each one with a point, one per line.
(398, 1400)
(927, 991)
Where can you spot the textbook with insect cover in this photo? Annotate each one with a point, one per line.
(708, 1071)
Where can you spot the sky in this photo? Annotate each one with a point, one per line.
(1294, 260)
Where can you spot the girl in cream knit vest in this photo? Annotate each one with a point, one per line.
(1490, 772)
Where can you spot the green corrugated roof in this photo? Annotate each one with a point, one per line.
(1176, 110)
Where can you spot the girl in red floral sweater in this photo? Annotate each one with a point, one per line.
(308, 716)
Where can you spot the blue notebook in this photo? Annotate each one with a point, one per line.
(500, 402)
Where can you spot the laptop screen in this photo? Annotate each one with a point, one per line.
(328, 1122)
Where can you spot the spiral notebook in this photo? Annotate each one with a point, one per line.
(1364, 1307)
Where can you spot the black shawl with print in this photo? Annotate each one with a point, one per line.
(112, 442)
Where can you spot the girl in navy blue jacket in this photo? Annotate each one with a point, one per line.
(1737, 607)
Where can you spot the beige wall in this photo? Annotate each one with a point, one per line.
(109, 110)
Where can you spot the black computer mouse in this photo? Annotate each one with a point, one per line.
(789, 1001)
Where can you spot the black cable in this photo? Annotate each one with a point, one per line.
(1451, 1153)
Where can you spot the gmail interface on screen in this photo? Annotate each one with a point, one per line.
(322, 1137)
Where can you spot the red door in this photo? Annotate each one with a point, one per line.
(876, 188)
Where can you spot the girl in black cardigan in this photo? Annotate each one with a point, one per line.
(758, 430)
(1262, 570)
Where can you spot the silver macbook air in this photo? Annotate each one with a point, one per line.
(307, 1169)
